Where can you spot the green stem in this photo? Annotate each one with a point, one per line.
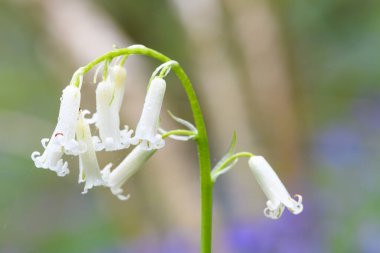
(233, 157)
(178, 132)
(201, 138)
(204, 162)
(229, 160)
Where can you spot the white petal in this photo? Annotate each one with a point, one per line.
(119, 75)
(44, 142)
(296, 207)
(128, 167)
(107, 115)
(146, 130)
(62, 139)
(100, 66)
(68, 113)
(98, 145)
(50, 158)
(272, 211)
(88, 163)
(273, 188)
(91, 120)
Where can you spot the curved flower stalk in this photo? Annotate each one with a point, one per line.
(109, 97)
(147, 129)
(62, 140)
(278, 196)
(127, 168)
(89, 171)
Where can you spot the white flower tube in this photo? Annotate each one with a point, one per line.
(146, 130)
(109, 97)
(62, 140)
(119, 76)
(127, 168)
(89, 171)
(274, 189)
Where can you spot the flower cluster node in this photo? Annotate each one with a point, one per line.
(72, 134)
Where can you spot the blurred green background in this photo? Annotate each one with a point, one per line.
(298, 80)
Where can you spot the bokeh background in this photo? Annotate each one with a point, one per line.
(298, 80)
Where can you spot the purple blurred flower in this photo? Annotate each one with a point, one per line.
(368, 237)
(351, 140)
(288, 235)
(366, 112)
(339, 146)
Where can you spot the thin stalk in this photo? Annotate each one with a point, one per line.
(178, 132)
(230, 161)
(201, 138)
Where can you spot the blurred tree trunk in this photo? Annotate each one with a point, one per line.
(219, 88)
(270, 86)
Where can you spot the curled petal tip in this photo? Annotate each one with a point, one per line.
(44, 142)
(35, 155)
(118, 192)
(123, 197)
(299, 198)
(271, 214)
(298, 206)
(62, 168)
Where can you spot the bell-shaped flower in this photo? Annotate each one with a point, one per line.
(109, 97)
(127, 168)
(89, 171)
(147, 129)
(278, 196)
(62, 140)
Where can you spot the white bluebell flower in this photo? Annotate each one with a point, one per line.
(63, 138)
(109, 97)
(147, 129)
(278, 196)
(89, 170)
(127, 168)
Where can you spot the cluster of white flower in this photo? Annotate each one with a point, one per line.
(72, 135)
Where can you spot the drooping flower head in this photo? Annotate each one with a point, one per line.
(278, 196)
(63, 138)
(127, 168)
(109, 97)
(89, 171)
(147, 129)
